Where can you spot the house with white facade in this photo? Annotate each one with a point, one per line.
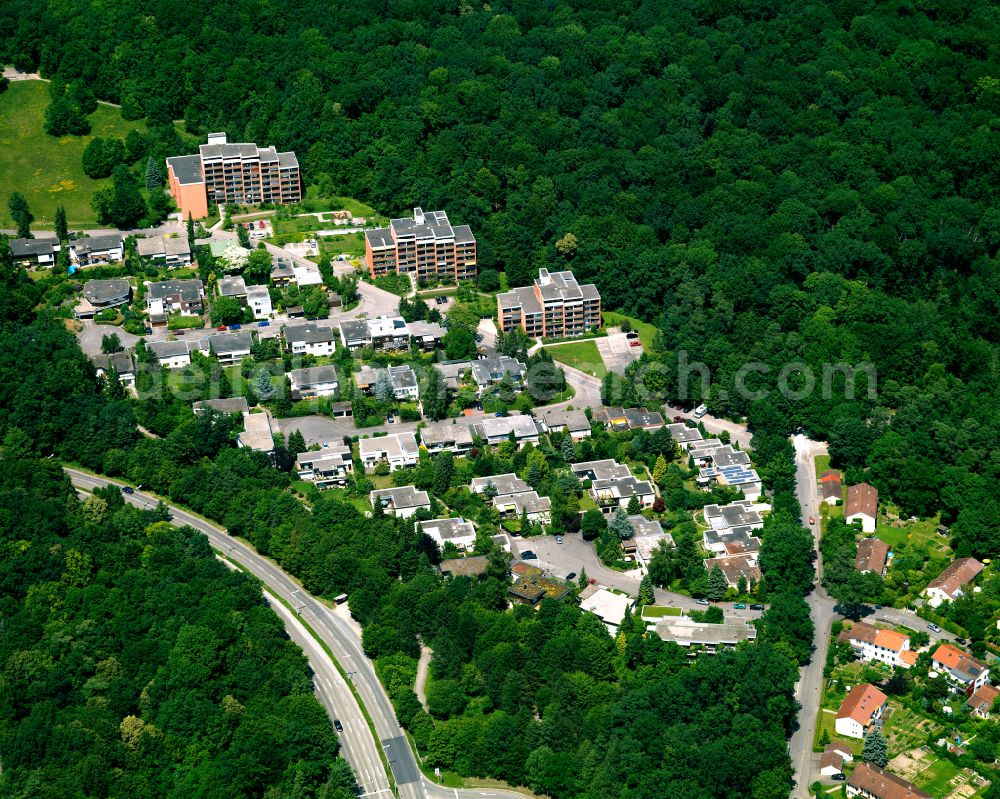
(403, 501)
(861, 709)
(259, 301)
(310, 339)
(315, 381)
(877, 644)
(952, 582)
(458, 532)
(396, 449)
(325, 467)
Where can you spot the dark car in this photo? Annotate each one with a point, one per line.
(838, 778)
(678, 420)
(571, 576)
(128, 490)
(235, 327)
(528, 555)
(690, 423)
(756, 607)
(265, 323)
(961, 641)
(631, 336)
(337, 725)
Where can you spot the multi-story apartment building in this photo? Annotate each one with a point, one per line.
(556, 306)
(427, 246)
(224, 172)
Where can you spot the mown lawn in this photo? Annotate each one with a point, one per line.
(645, 330)
(48, 171)
(582, 355)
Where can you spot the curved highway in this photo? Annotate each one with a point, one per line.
(360, 748)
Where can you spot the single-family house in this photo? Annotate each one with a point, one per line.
(282, 274)
(426, 335)
(230, 347)
(310, 339)
(982, 701)
(962, 670)
(612, 416)
(470, 566)
(684, 436)
(452, 435)
(860, 710)
(574, 422)
(396, 449)
(537, 509)
(875, 643)
(171, 354)
(831, 487)
(306, 274)
(354, 334)
(738, 515)
(121, 362)
(101, 294)
(532, 589)
(102, 249)
(499, 485)
(315, 381)
(712, 638)
(862, 506)
(649, 536)
(497, 429)
(453, 372)
(326, 466)
(170, 296)
(227, 405)
(952, 582)
(871, 557)
(169, 250)
(490, 371)
(831, 763)
(403, 379)
(389, 333)
(609, 606)
(733, 567)
(643, 419)
(234, 286)
(34, 252)
(403, 501)
(458, 532)
(258, 300)
(871, 782)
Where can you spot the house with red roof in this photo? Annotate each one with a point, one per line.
(861, 708)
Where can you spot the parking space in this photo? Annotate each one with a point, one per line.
(617, 351)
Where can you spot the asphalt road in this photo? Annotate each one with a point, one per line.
(343, 641)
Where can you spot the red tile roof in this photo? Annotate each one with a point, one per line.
(954, 659)
(958, 574)
(872, 553)
(984, 697)
(883, 784)
(861, 704)
(862, 498)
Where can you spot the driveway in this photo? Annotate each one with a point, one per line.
(91, 335)
(617, 352)
(737, 431)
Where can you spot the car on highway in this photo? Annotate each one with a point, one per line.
(739, 606)
(756, 606)
(702, 602)
(700, 411)
(571, 576)
(933, 627)
(558, 539)
(528, 555)
(337, 725)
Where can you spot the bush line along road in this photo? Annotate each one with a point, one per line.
(360, 749)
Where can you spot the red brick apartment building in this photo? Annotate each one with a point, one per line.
(426, 245)
(555, 307)
(232, 173)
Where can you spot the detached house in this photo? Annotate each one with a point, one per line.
(102, 249)
(831, 486)
(34, 252)
(101, 294)
(310, 339)
(885, 646)
(862, 506)
(317, 381)
(457, 532)
(871, 557)
(951, 583)
(170, 296)
(962, 670)
(326, 466)
(982, 700)
(171, 354)
(871, 782)
(403, 501)
(613, 484)
(396, 449)
(861, 708)
(170, 250)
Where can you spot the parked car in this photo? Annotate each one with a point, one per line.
(838, 777)
(222, 327)
(571, 576)
(235, 327)
(756, 606)
(702, 602)
(690, 423)
(265, 323)
(337, 725)
(631, 336)
(128, 490)
(961, 641)
(479, 406)
(739, 606)
(528, 555)
(812, 520)
(933, 627)
(389, 418)
(635, 343)
(441, 300)
(700, 411)
(679, 420)
(558, 539)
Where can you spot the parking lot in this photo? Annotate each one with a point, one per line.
(617, 352)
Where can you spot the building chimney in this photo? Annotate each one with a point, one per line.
(418, 216)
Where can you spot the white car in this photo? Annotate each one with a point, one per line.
(700, 411)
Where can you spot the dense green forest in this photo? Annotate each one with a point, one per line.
(134, 664)
(797, 182)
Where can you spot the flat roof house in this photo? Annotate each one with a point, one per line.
(613, 484)
(532, 589)
(326, 466)
(685, 631)
(871, 782)
(354, 334)
(574, 422)
(537, 509)
(458, 532)
(257, 433)
(426, 335)
(861, 708)
(228, 405)
(871, 557)
(952, 582)
(608, 606)
(450, 435)
(643, 419)
(862, 506)
(403, 501)
(684, 436)
(234, 286)
(316, 381)
(501, 484)
(396, 449)
(310, 339)
(556, 306)
(961, 669)
(259, 301)
(230, 347)
(496, 430)
(389, 333)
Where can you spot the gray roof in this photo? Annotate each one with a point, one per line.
(122, 361)
(104, 291)
(424, 330)
(446, 432)
(229, 342)
(187, 169)
(354, 331)
(735, 514)
(493, 369)
(168, 349)
(22, 248)
(228, 405)
(575, 420)
(232, 286)
(267, 155)
(281, 267)
(287, 160)
(246, 150)
(258, 291)
(380, 238)
(463, 235)
(504, 484)
(683, 434)
(606, 469)
(189, 289)
(447, 529)
(523, 298)
(643, 417)
(103, 241)
(313, 375)
(644, 526)
(309, 334)
(402, 497)
(423, 225)
(402, 376)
